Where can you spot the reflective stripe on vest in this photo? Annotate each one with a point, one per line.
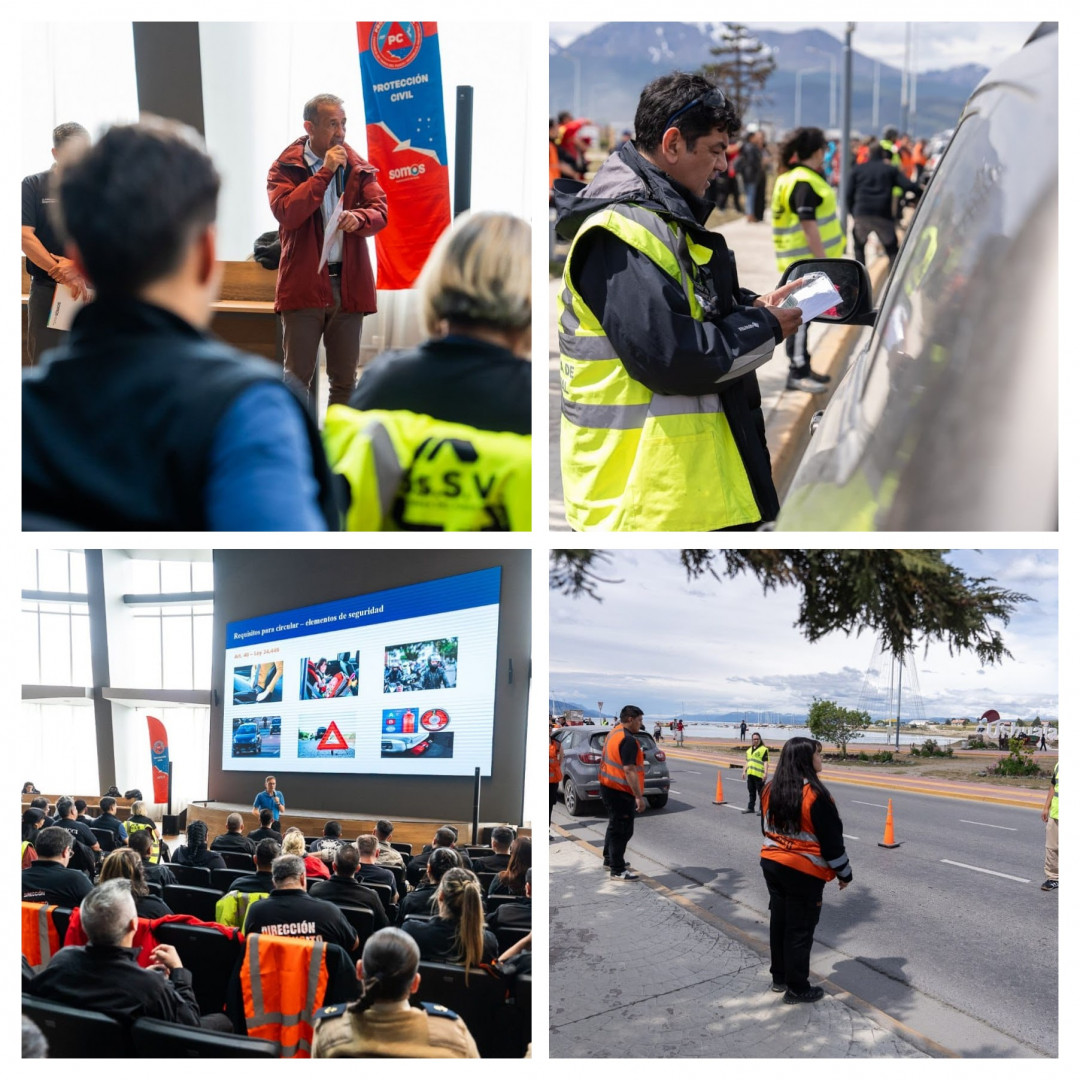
(155, 843)
(40, 940)
(632, 459)
(232, 908)
(789, 240)
(554, 772)
(283, 982)
(408, 471)
(612, 771)
(755, 761)
(802, 851)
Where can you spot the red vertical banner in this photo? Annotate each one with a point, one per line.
(159, 758)
(401, 72)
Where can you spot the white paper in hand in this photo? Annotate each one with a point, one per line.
(331, 230)
(814, 297)
(64, 307)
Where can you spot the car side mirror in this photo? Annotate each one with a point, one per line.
(852, 283)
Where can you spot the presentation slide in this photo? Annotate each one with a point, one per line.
(399, 682)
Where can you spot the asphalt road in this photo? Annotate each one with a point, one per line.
(913, 929)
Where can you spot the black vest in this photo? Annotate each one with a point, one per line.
(119, 422)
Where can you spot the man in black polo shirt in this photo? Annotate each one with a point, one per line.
(444, 837)
(289, 912)
(369, 871)
(107, 819)
(264, 831)
(502, 836)
(48, 880)
(234, 839)
(43, 248)
(266, 851)
(344, 890)
(66, 819)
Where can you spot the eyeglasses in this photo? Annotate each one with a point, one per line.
(714, 99)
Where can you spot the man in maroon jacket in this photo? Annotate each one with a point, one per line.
(304, 185)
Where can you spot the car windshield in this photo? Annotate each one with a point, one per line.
(246, 729)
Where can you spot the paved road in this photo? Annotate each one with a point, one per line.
(914, 930)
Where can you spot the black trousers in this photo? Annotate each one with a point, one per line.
(885, 231)
(754, 784)
(553, 798)
(794, 910)
(621, 808)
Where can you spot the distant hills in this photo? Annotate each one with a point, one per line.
(600, 75)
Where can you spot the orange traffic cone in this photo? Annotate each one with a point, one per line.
(718, 801)
(888, 840)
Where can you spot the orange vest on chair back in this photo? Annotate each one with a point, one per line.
(283, 982)
(40, 941)
(612, 773)
(802, 851)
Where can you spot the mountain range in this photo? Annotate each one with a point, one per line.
(600, 75)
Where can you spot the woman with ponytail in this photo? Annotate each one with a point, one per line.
(803, 849)
(382, 1023)
(457, 934)
(195, 851)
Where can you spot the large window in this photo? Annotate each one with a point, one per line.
(55, 632)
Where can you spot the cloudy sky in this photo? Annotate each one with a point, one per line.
(937, 44)
(673, 646)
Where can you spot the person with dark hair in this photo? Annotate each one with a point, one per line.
(233, 839)
(29, 789)
(33, 821)
(805, 223)
(802, 850)
(144, 845)
(126, 864)
(517, 915)
(329, 841)
(265, 830)
(511, 881)
(382, 1023)
(369, 871)
(457, 934)
(82, 815)
(139, 821)
(49, 880)
(870, 199)
(310, 177)
(621, 789)
(344, 890)
(756, 770)
(199, 434)
(502, 836)
(42, 804)
(66, 819)
(46, 263)
(421, 901)
(107, 819)
(195, 852)
(445, 836)
(662, 425)
(751, 167)
(261, 881)
(387, 856)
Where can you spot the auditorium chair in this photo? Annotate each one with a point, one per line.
(238, 860)
(160, 1039)
(106, 838)
(209, 955)
(481, 1004)
(386, 895)
(492, 902)
(480, 852)
(156, 889)
(192, 875)
(362, 920)
(509, 935)
(405, 849)
(486, 877)
(61, 916)
(223, 879)
(192, 900)
(77, 1033)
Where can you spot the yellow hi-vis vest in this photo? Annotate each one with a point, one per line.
(789, 240)
(232, 908)
(755, 761)
(155, 845)
(409, 471)
(632, 459)
(1054, 800)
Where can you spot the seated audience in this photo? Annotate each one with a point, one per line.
(387, 856)
(33, 821)
(329, 840)
(233, 839)
(125, 864)
(107, 819)
(382, 1023)
(516, 915)
(138, 821)
(104, 976)
(344, 890)
(195, 852)
(289, 912)
(143, 844)
(264, 831)
(42, 804)
(502, 836)
(369, 871)
(266, 851)
(457, 934)
(82, 815)
(29, 789)
(66, 819)
(421, 901)
(137, 212)
(511, 881)
(49, 880)
(444, 837)
(292, 843)
(470, 382)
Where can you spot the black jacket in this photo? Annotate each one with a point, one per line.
(870, 190)
(348, 892)
(647, 318)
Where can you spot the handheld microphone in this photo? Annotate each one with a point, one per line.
(340, 174)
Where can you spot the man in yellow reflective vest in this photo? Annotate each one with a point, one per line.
(755, 770)
(622, 787)
(1050, 816)
(661, 412)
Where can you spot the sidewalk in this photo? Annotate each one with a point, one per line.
(637, 971)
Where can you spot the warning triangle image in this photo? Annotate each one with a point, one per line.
(333, 739)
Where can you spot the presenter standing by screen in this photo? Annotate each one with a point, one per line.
(271, 799)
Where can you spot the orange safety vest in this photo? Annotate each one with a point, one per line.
(283, 982)
(612, 773)
(802, 851)
(40, 941)
(554, 772)
(553, 164)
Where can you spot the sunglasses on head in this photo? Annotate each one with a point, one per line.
(714, 99)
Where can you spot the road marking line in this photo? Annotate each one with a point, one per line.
(880, 806)
(674, 792)
(964, 821)
(848, 836)
(996, 873)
